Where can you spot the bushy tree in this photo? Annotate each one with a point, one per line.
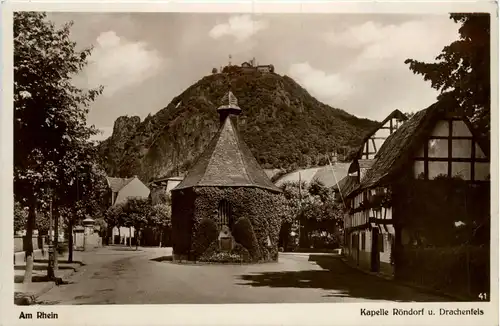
(314, 209)
(20, 217)
(462, 70)
(49, 111)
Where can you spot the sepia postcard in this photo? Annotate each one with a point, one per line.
(252, 163)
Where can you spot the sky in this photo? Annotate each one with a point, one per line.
(354, 62)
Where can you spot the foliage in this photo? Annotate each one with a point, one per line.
(458, 211)
(161, 216)
(315, 208)
(284, 126)
(114, 216)
(190, 207)
(205, 235)
(238, 254)
(20, 217)
(50, 113)
(460, 270)
(462, 70)
(244, 234)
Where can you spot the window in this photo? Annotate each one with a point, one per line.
(462, 148)
(437, 169)
(441, 129)
(438, 147)
(363, 241)
(460, 129)
(224, 214)
(481, 171)
(381, 242)
(461, 169)
(451, 151)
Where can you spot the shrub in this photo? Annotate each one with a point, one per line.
(222, 257)
(242, 252)
(244, 234)
(205, 236)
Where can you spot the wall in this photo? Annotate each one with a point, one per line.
(38, 242)
(125, 234)
(134, 188)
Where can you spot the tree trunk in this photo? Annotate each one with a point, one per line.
(70, 239)
(161, 238)
(130, 236)
(28, 272)
(56, 239)
(136, 239)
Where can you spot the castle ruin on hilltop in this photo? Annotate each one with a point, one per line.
(247, 66)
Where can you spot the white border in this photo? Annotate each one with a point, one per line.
(265, 314)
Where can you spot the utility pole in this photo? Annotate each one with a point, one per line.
(50, 267)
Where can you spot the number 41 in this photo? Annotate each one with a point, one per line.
(483, 296)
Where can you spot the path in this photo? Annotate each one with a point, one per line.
(118, 275)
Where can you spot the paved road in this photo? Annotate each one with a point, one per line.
(118, 275)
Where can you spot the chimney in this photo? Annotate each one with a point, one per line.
(229, 108)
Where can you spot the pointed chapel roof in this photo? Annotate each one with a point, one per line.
(227, 162)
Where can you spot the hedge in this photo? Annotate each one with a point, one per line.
(206, 234)
(462, 270)
(243, 233)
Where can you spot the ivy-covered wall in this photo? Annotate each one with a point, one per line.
(261, 207)
(182, 220)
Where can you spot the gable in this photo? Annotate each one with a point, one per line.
(375, 139)
(135, 188)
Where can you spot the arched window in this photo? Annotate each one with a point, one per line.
(224, 217)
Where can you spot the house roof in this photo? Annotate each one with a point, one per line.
(116, 184)
(397, 148)
(394, 114)
(347, 184)
(328, 175)
(227, 162)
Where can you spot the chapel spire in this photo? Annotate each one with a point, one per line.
(229, 106)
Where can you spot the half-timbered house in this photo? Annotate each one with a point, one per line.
(413, 187)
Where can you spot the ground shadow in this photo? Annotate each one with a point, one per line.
(343, 280)
(163, 258)
(40, 267)
(126, 249)
(60, 261)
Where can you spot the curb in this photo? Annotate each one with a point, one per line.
(24, 299)
(407, 284)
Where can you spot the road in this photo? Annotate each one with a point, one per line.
(120, 275)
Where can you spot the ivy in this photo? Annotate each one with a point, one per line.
(260, 207)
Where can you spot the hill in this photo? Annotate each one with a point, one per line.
(284, 126)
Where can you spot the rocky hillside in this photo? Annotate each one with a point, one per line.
(284, 126)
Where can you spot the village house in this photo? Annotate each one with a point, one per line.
(427, 186)
(226, 187)
(355, 227)
(161, 187)
(121, 190)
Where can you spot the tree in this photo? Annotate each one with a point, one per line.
(49, 111)
(161, 218)
(462, 70)
(138, 215)
(20, 216)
